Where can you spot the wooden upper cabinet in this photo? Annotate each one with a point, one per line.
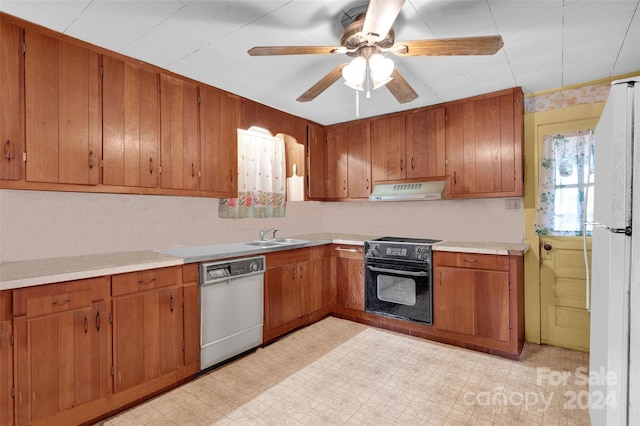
(179, 133)
(484, 146)
(426, 139)
(219, 122)
(131, 124)
(12, 103)
(388, 148)
(349, 160)
(63, 111)
(317, 161)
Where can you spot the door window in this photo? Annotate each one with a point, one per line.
(565, 186)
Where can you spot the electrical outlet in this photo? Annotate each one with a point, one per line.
(512, 204)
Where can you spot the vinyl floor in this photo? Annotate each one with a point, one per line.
(338, 372)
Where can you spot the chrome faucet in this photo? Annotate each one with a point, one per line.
(265, 230)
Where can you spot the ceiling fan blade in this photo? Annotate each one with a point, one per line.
(293, 50)
(379, 18)
(322, 85)
(483, 45)
(400, 89)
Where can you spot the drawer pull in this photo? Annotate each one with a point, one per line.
(61, 302)
(469, 260)
(141, 282)
(349, 250)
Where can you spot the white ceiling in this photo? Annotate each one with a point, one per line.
(547, 44)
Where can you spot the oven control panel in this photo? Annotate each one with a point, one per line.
(399, 251)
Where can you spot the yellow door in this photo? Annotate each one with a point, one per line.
(564, 320)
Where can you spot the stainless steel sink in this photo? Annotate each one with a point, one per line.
(277, 242)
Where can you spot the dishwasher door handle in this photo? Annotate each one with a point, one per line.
(227, 280)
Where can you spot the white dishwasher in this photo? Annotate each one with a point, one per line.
(231, 308)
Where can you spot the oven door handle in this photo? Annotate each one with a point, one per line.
(397, 272)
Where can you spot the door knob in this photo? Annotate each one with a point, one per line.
(547, 246)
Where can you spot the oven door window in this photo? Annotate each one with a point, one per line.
(396, 290)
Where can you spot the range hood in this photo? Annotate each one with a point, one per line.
(408, 191)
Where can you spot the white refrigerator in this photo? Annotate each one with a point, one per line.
(614, 379)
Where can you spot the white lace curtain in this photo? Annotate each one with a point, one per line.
(261, 177)
(565, 183)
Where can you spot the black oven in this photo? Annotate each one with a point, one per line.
(398, 278)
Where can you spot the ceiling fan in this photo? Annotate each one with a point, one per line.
(370, 35)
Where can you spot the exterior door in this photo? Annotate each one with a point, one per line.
(564, 320)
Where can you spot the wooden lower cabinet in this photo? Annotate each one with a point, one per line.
(293, 290)
(478, 301)
(85, 348)
(147, 336)
(6, 372)
(62, 351)
(348, 269)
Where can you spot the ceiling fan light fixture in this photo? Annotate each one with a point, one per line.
(380, 70)
(354, 73)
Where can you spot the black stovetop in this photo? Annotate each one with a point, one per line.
(407, 240)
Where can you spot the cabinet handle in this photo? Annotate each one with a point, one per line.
(412, 167)
(455, 181)
(230, 175)
(367, 184)
(301, 270)
(193, 170)
(98, 321)
(86, 324)
(150, 165)
(91, 159)
(172, 303)
(8, 152)
(401, 164)
(349, 250)
(469, 260)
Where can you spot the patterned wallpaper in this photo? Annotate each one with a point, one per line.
(567, 98)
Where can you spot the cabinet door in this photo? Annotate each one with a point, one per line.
(337, 155)
(147, 330)
(219, 122)
(6, 373)
(426, 154)
(281, 295)
(179, 133)
(63, 111)
(453, 300)
(350, 283)
(388, 149)
(131, 124)
(484, 146)
(62, 361)
(491, 297)
(359, 160)
(12, 105)
(310, 274)
(317, 160)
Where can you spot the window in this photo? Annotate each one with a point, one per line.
(565, 186)
(261, 177)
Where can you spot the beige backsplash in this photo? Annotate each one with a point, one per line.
(39, 224)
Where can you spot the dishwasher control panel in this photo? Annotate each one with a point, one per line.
(231, 268)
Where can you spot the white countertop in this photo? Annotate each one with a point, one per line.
(481, 247)
(46, 271)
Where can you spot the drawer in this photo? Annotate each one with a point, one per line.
(471, 260)
(65, 296)
(134, 282)
(348, 251)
